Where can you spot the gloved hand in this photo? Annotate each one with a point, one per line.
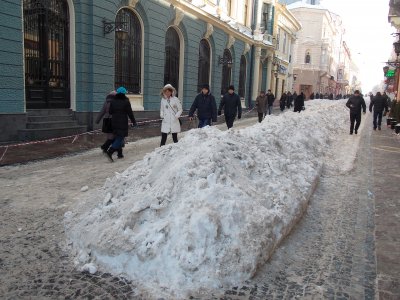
(239, 117)
(219, 113)
(134, 125)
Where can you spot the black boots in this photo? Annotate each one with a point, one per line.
(109, 154)
(106, 145)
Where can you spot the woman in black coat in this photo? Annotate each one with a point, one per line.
(120, 110)
(299, 103)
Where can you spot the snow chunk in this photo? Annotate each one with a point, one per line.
(208, 211)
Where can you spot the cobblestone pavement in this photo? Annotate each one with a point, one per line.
(329, 255)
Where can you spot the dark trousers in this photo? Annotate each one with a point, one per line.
(260, 117)
(357, 119)
(164, 138)
(229, 121)
(204, 123)
(377, 115)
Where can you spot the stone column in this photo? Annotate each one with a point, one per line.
(269, 74)
(256, 71)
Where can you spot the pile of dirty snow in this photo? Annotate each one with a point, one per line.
(208, 211)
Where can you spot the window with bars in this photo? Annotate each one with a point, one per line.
(172, 56)
(226, 71)
(204, 64)
(128, 53)
(242, 77)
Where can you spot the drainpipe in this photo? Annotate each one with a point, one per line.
(253, 27)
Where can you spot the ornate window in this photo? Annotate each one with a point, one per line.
(172, 54)
(226, 71)
(308, 58)
(242, 77)
(46, 53)
(128, 53)
(204, 64)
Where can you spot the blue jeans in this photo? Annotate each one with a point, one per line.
(270, 109)
(118, 142)
(204, 123)
(377, 115)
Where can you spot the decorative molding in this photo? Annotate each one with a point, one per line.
(209, 32)
(231, 41)
(179, 14)
(246, 48)
(257, 53)
(132, 3)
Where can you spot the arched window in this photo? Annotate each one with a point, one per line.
(46, 53)
(242, 77)
(128, 53)
(308, 58)
(172, 53)
(204, 64)
(226, 71)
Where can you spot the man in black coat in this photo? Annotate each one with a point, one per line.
(120, 110)
(231, 105)
(355, 103)
(379, 104)
(206, 107)
(271, 99)
(299, 103)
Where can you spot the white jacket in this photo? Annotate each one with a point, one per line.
(170, 113)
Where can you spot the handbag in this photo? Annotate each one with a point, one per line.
(179, 119)
(107, 125)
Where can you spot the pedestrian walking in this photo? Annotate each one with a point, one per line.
(206, 107)
(379, 104)
(388, 100)
(231, 105)
(120, 110)
(271, 99)
(356, 103)
(289, 98)
(107, 126)
(261, 104)
(282, 101)
(299, 103)
(170, 111)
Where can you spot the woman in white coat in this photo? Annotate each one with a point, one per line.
(170, 111)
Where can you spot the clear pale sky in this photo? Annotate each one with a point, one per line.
(367, 35)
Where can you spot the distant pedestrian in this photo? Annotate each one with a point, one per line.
(388, 100)
(299, 103)
(312, 96)
(120, 110)
(170, 111)
(107, 126)
(231, 105)
(355, 103)
(261, 104)
(271, 100)
(379, 104)
(206, 107)
(317, 96)
(282, 101)
(289, 100)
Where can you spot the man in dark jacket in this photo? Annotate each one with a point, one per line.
(231, 105)
(271, 99)
(120, 110)
(261, 104)
(299, 103)
(355, 103)
(379, 104)
(206, 107)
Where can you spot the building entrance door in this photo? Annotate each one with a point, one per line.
(46, 53)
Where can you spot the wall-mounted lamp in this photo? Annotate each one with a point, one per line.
(276, 73)
(294, 77)
(225, 61)
(120, 32)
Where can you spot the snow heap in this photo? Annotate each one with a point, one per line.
(208, 211)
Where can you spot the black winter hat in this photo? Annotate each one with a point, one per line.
(206, 86)
(231, 87)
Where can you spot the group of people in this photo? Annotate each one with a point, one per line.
(117, 109)
(380, 105)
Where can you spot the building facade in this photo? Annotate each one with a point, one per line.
(69, 54)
